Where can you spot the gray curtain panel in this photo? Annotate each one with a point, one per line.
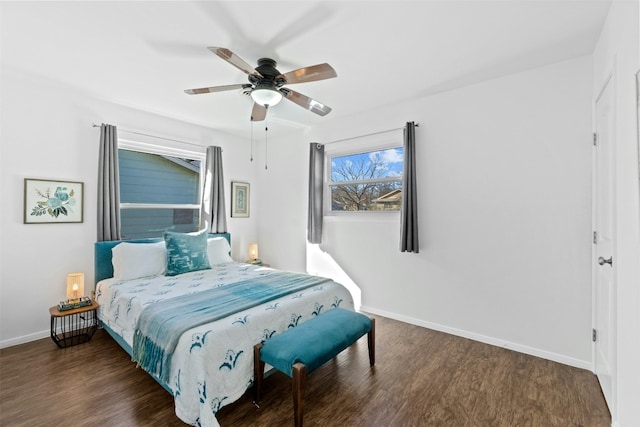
(213, 214)
(108, 185)
(316, 169)
(409, 209)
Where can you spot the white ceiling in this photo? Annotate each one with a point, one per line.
(144, 54)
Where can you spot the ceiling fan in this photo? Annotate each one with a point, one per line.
(266, 84)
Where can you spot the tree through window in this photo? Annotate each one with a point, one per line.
(368, 181)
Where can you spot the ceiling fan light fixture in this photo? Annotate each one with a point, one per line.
(267, 97)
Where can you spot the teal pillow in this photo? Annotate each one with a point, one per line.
(186, 252)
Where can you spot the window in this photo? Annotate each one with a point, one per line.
(159, 191)
(366, 181)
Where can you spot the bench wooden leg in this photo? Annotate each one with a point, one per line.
(299, 376)
(258, 373)
(371, 340)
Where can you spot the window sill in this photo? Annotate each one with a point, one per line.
(364, 216)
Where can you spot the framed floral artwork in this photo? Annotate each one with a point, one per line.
(47, 201)
(240, 200)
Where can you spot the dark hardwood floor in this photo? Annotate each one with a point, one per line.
(421, 378)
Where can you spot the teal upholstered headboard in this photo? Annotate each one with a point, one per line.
(102, 260)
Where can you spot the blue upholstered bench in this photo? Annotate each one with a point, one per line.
(308, 346)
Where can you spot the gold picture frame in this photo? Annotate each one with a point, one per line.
(49, 201)
(240, 199)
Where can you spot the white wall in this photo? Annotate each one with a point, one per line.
(617, 53)
(283, 200)
(47, 133)
(505, 202)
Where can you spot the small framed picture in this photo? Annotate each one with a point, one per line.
(240, 200)
(47, 201)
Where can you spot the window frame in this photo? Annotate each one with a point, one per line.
(148, 148)
(366, 144)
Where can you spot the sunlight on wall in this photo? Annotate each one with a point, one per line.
(320, 263)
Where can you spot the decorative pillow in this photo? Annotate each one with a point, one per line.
(218, 250)
(186, 252)
(136, 260)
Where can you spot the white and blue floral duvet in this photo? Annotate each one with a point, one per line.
(213, 363)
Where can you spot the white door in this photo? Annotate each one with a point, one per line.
(604, 226)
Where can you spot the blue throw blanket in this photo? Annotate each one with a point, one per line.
(161, 325)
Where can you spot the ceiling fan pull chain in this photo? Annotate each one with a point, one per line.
(266, 144)
(251, 142)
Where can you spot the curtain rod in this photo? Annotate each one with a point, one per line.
(368, 134)
(154, 136)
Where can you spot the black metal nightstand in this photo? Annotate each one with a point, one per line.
(76, 326)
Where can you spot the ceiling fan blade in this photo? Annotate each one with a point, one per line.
(306, 102)
(216, 89)
(254, 44)
(299, 25)
(310, 74)
(234, 60)
(259, 113)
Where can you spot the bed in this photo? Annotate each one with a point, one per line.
(193, 330)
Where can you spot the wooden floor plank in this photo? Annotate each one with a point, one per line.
(421, 378)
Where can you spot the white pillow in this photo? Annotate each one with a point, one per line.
(218, 250)
(135, 260)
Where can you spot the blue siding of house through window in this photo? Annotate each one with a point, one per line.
(150, 178)
(153, 179)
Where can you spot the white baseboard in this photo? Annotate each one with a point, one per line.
(566, 360)
(25, 338)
